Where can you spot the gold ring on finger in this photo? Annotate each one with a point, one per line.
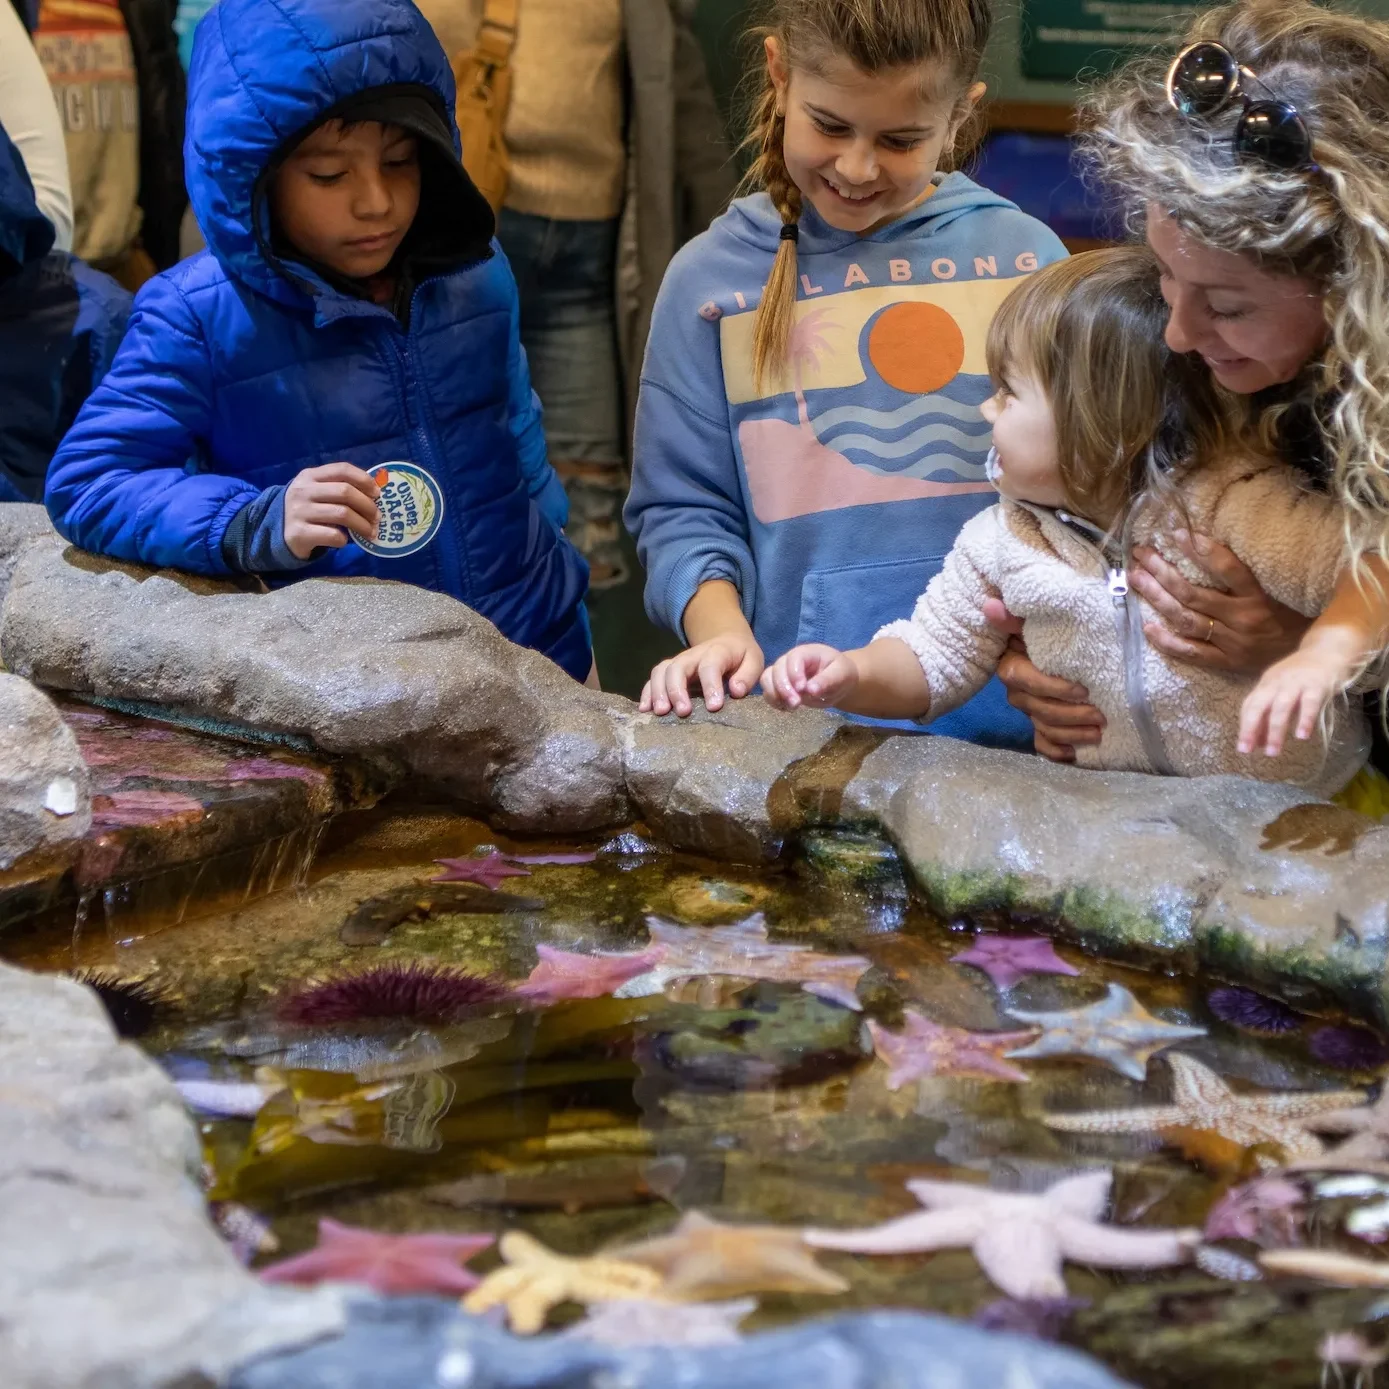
(1210, 631)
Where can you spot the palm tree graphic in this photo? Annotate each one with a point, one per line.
(804, 348)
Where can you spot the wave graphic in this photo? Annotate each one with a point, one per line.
(913, 443)
(936, 467)
(888, 420)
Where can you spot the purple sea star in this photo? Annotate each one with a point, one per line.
(1020, 1241)
(925, 1048)
(385, 1263)
(564, 974)
(491, 870)
(1005, 959)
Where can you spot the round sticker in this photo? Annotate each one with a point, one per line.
(411, 507)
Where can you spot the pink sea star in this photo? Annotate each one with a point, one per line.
(567, 974)
(1020, 1241)
(491, 870)
(1263, 1207)
(743, 950)
(925, 1048)
(1005, 959)
(385, 1263)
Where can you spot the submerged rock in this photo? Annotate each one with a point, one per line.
(778, 1037)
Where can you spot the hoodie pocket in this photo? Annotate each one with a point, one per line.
(845, 605)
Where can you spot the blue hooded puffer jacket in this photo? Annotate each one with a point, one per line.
(240, 370)
(60, 324)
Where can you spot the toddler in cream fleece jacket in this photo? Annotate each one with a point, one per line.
(1102, 439)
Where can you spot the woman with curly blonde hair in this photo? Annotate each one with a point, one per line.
(1257, 166)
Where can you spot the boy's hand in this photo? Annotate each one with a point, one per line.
(813, 674)
(323, 504)
(735, 656)
(1294, 691)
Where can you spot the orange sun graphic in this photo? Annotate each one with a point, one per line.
(916, 347)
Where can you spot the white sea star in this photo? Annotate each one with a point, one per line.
(1117, 1030)
(1202, 1100)
(1020, 1241)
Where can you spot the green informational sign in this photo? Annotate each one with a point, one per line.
(1063, 39)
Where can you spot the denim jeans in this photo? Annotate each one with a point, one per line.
(565, 272)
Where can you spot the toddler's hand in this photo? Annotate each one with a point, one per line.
(738, 658)
(1294, 691)
(813, 674)
(323, 504)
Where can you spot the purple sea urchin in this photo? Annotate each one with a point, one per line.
(1251, 1012)
(133, 1005)
(1349, 1048)
(415, 992)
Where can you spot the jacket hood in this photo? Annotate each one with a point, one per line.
(754, 218)
(263, 73)
(25, 233)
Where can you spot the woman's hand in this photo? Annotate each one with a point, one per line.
(814, 674)
(1293, 692)
(1062, 720)
(326, 506)
(733, 655)
(1243, 630)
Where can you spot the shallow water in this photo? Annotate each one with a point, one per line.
(590, 1122)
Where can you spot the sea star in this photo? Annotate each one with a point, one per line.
(1117, 1030)
(568, 974)
(703, 1258)
(385, 1263)
(1020, 1241)
(925, 1048)
(491, 870)
(743, 950)
(1005, 959)
(1255, 1209)
(535, 1279)
(1202, 1100)
(631, 1322)
(1345, 1270)
(1367, 1148)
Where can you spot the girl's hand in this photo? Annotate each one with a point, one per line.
(323, 504)
(1295, 691)
(1243, 630)
(1062, 720)
(734, 655)
(814, 674)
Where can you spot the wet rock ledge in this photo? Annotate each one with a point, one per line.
(1260, 883)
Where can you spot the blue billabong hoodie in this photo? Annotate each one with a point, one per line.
(831, 496)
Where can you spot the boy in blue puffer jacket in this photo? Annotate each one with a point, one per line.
(336, 386)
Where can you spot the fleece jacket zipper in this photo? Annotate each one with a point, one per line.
(1128, 625)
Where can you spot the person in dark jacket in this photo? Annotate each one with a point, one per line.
(60, 324)
(337, 385)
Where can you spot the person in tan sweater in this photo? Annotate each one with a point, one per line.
(617, 157)
(1103, 438)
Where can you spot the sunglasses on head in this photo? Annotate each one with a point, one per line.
(1206, 78)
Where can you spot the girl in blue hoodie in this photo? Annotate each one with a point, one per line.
(336, 386)
(808, 435)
